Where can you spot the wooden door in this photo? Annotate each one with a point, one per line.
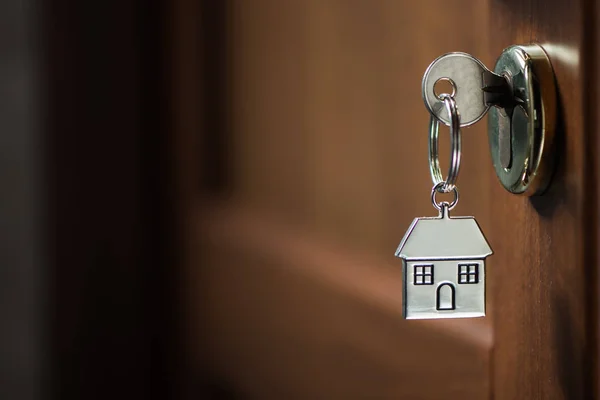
(545, 278)
(314, 162)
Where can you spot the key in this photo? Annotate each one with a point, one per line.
(475, 88)
(521, 127)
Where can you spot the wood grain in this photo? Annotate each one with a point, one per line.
(541, 322)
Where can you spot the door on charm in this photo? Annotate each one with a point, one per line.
(445, 297)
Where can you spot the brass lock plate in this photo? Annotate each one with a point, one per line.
(522, 136)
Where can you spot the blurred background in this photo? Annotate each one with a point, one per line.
(203, 199)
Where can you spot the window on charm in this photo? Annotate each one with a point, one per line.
(468, 273)
(423, 274)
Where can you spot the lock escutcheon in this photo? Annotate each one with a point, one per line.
(522, 136)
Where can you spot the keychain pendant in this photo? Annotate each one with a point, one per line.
(443, 267)
(443, 258)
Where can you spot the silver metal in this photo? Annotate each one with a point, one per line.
(504, 138)
(522, 123)
(455, 147)
(437, 189)
(467, 75)
(443, 264)
(521, 137)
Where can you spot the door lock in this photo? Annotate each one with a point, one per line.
(520, 96)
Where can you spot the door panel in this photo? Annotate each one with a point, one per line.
(543, 264)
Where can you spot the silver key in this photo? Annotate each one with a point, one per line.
(475, 87)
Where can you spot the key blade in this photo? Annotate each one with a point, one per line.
(497, 90)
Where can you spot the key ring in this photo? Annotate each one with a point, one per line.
(437, 189)
(455, 145)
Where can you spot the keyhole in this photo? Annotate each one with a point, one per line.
(444, 86)
(505, 139)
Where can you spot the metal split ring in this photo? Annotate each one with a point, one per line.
(449, 183)
(436, 189)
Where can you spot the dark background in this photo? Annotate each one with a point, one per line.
(88, 254)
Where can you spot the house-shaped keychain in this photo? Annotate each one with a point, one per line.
(443, 263)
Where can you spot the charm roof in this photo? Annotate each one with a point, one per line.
(439, 238)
